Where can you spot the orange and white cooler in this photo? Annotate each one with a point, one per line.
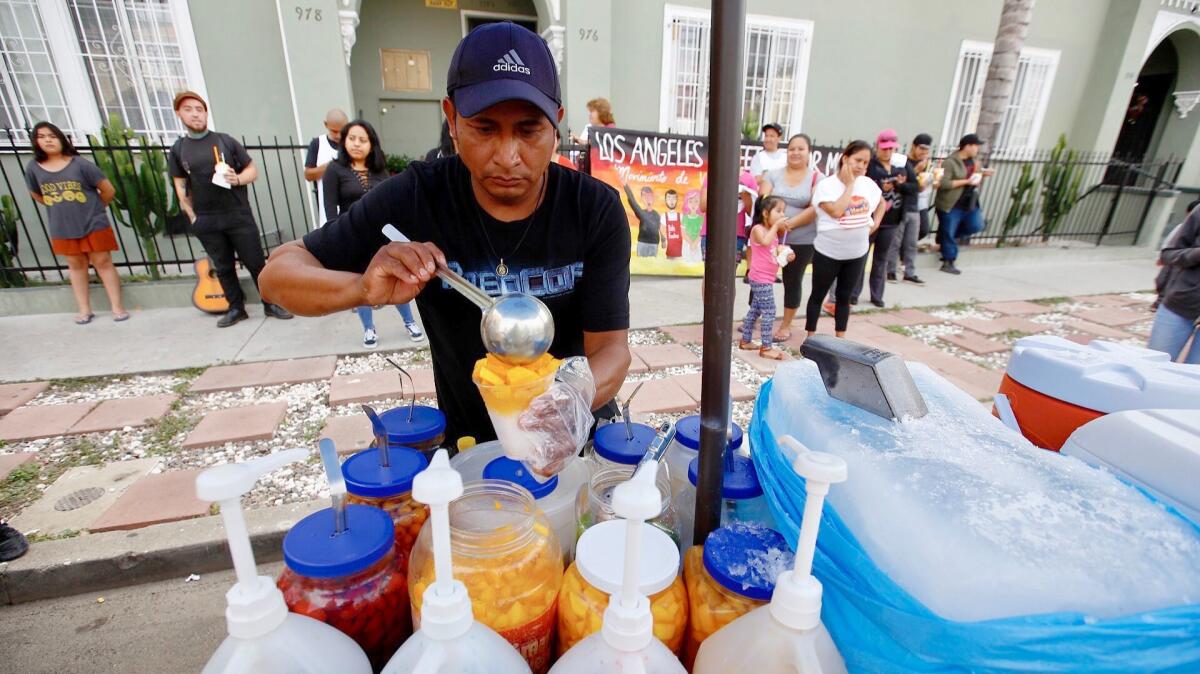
(1054, 385)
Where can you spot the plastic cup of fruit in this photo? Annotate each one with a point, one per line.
(505, 404)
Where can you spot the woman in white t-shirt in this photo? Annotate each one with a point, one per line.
(849, 208)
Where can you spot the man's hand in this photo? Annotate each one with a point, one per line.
(558, 421)
(231, 176)
(987, 172)
(399, 272)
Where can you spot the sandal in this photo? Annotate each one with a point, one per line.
(772, 353)
(117, 318)
(783, 336)
(84, 319)
(748, 346)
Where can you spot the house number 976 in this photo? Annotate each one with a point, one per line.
(586, 34)
(308, 14)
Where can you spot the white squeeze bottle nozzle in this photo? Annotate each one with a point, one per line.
(450, 640)
(786, 635)
(263, 635)
(626, 640)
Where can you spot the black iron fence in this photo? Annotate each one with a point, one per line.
(1111, 206)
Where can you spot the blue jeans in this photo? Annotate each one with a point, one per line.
(955, 224)
(1171, 333)
(367, 315)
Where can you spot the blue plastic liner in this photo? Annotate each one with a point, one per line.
(878, 627)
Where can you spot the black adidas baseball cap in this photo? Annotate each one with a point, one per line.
(500, 62)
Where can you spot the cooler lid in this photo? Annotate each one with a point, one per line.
(612, 443)
(310, 548)
(426, 423)
(600, 555)
(366, 477)
(747, 558)
(740, 480)
(504, 468)
(1103, 376)
(687, 433)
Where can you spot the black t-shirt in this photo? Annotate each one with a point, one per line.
(966, 201)
(342, 186)
(575, 258)
(894, 197)
(193, 159)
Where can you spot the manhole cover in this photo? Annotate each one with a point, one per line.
(78, 499)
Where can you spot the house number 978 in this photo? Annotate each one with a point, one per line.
(308, 14)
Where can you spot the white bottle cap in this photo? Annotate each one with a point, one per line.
(255, 606)
(446, 609)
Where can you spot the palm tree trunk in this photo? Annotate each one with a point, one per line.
(1002, 71)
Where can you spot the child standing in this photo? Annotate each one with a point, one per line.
(765, 261)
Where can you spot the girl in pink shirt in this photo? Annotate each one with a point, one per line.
(766, 257)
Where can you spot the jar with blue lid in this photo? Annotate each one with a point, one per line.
(619, 444)
(742, 498)
(683, 449)
(384, 480)
(732, 574)
(351, 580)
(555, 497)
(418, 427)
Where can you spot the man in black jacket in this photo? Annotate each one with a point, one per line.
(1175, 321)
(899, 184)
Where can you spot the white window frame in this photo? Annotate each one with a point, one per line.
(800, 83)
(1050, 56)
(69, 123)
(73, 74)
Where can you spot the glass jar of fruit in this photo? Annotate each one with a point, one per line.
(389, 488)
(597, 573)
(507, 391)
(594, 504)
(508, 556)
(681, 451)
(732, 574)
(350, 580)
(619, 444)
(414, 426)
(742, 497)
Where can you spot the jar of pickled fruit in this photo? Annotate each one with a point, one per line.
(594, 504)
(681, 451)
(732, 574)
(416, 427)
(389, 488)
(742, 498)
(597, 574)
(618, 444)
(350, 580)
(555, 496)
(508, 556)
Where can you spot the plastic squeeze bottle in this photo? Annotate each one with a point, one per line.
(785, 636)
(450, 640)
(264, 638)
(625, 642)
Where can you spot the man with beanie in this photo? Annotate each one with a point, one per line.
(211, 170)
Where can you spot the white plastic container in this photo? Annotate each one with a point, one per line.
(625, 642)
(1158, 450)
(450, 640)
(264, 638)
(684, 448)
(556, 496)
(785, 636)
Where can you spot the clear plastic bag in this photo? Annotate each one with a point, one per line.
(557, 422)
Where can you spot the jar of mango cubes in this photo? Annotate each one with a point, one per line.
(350, 581)
(732, 574)
(508, 556)
(389, 488)
(507, 390)
(597, 573)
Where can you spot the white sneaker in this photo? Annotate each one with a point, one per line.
(369, 339)
(414, 331)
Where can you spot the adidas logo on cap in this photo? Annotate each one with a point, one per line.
(512, 63)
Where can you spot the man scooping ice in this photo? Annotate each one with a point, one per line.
(504, 216)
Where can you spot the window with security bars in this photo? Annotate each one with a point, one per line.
(776, 55)
(30, 90)
(133, 59)
(1022, 121)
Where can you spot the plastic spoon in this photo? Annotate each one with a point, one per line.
(516, 326)
(380, 432)
(337, 484)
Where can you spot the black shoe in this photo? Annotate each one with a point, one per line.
(853, 301)
(914, 279)
(276, 311)
(891, 277)
(12, 543)
(234, 315)
(879, 303)
(949, 268)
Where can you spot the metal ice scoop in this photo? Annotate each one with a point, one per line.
(515, 326)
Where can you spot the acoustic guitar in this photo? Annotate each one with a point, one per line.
(208, 296)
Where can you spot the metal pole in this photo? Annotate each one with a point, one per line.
(1158, 180)
(1112, 209)
(727, 38)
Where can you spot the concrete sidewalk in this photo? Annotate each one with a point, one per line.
(50, 346)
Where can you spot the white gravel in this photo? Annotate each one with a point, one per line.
(95, 390)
